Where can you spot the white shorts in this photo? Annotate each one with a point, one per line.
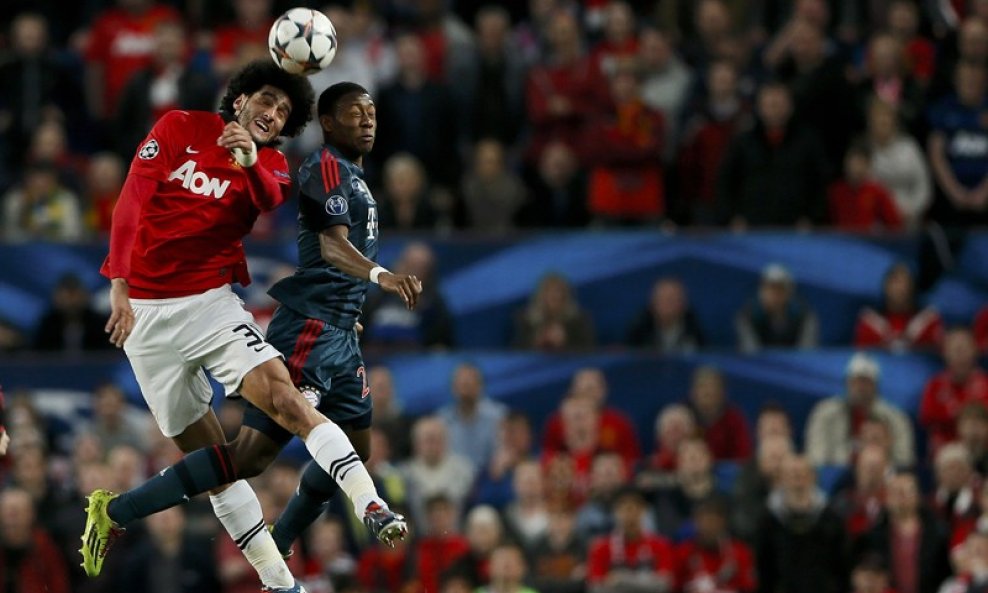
(175, 339)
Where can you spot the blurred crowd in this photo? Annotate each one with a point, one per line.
(864, 115)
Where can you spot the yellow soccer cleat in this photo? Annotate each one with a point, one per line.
(100, 532)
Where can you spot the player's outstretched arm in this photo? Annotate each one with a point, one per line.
(336, 249)
(123, 232)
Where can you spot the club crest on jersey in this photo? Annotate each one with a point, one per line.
(336, 206)
(149, 150)
(198, 182)
(311, 394)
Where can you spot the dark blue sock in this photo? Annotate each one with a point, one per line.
(310, 500)
(198, 472)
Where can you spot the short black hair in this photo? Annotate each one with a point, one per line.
(255, 75)
(332, 95)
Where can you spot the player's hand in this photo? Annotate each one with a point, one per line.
(121, 321)
(4, 442)
(406, 286)
(358, 327)
(235, 136)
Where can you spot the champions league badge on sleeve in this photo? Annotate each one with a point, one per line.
(149, 150)
(336, 206)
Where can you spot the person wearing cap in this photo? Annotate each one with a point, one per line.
(833, 430)
(776, 317)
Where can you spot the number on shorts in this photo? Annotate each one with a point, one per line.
(250, 333)
(362, 373)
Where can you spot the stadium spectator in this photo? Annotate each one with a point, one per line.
(116, 422)
(903, 21)
(775, 173)
(674, 425)
(41, 207)
(444, 36)
(608, 476)
(581, 443)
(329, 562)
(969, 559)
(170, 559)
(526, 518)
(712, 560)
(104, 179)
(721, 423)
(558, 196)
(969, 44)
(898, 162)
(389, 323)
(484, 532)
(69, 521)
(833, 429)
(911, 542)
(120, 42)
(693, 482)
(513, 448)
(408, 202)
(958, 149)
(623, 152)
(773, 420)
(630, 558)
(801, 542)
(439, 543)
(553, 320)
(667, 325)
(252, 20)
(492, 194)
(563, 91)
(857, 201)
(898, 324)
(958, 487)
(165, 84)
(712, 23)
(385, 568)
(870, 575)
(776, 317)
(972, 432)
(559, 557)
(507, 571)
(30, 473)
(71, 324)
(980, 329)
(615, 431)
(962, 381)
(719, 114)
(388, 414)
(433, 470)
(860, 502)
(29, 559)
(620, 38)
(37, 85)
(490, 81)
(416, 115)
(887, 79)
(50, 144)
(665, 85)
(472, 419)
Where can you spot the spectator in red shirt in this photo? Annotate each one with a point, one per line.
(858, 202)
(713, 561)
(121, 42)
(630, 559)
(722, 424)
(693, 482)
(903, 23)
(860, 503)
(674, 425)
(870, 575)
(962, 381)
(104, 179)
(615, 431)
(620, 38)
(899, 324)
(624, 152)
(251, 24)
(29, 559)
(581, 443)
(441, 544)
(958, 486)
(564, 91)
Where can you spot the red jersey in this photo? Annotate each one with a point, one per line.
(616, 433)
(433, 555)
(123, 44)
(942, 402)
(981, 329)
(862, 207)
(649, 553)
(730, 568)
(188, 236)
(898, 331)
(728, 437)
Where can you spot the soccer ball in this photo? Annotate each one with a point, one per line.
(302, 41)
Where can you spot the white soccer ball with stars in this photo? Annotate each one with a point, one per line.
(302, 41)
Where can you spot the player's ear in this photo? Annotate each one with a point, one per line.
(326, 123)
(238, 103)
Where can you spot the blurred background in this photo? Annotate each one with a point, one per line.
(702, 279)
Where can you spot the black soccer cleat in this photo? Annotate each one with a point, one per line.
(387, 525)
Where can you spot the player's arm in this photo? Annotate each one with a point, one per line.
(268, 189)
(336, 249)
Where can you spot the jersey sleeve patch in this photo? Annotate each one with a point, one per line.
(337, 206)
(149, 150)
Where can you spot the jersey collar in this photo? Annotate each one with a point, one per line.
(339, 155)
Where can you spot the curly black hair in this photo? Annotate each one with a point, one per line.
(255, 75)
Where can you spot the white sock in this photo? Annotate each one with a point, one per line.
(332, 450)
(239, 511)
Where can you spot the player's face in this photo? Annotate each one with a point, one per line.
(354, 126)
(263, 113)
